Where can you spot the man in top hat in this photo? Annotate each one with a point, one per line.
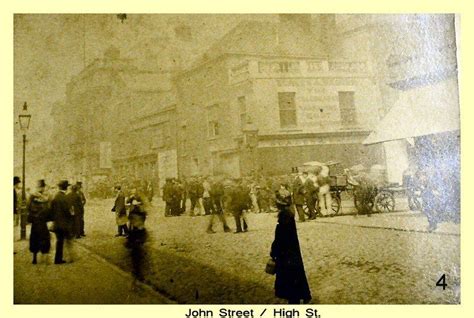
(80, 217)
(16, 200)
(63, 221)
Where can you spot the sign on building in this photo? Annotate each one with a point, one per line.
(105, 155)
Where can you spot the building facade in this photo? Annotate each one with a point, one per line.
(264, 101)
(116, 120)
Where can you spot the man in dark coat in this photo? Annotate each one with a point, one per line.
(299, 196)
(16, 200)
(75, 204)
(38, 215)
(195, 191)
(240, 201)
(216, 193)
(177, 197)
(167, 196)
(81, 210)
(63, 221)
(290, 283)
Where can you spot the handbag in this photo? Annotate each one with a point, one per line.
(270, 268)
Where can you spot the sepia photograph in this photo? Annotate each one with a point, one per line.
(236, 159)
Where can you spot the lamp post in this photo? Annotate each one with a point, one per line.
(251, 141)
(24, 119)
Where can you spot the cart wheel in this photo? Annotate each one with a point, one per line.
(335, 204)
(385, 202)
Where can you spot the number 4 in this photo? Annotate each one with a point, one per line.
(442, 282)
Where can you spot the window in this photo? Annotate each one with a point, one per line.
(242, 111)
(347, 108)
(213, 127)
(287, 107)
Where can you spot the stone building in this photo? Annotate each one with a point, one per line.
(270, 96)
(114, 122)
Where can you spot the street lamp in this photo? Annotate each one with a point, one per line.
(250, 131)
(24, 119)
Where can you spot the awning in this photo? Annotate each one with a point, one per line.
(421, 111)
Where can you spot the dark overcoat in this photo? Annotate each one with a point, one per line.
(298, 191)
(240, 199)
(38, 215)
(120, 209)
(290, 282)
(75, 202)
(60, 209)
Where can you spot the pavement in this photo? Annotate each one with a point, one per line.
(385, 258)
(88, 279)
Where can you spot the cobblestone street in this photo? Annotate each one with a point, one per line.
(385, 258)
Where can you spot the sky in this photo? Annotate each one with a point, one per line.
(51, 48)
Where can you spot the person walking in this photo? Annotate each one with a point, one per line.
(206, 197)
(16, 200)
(195, 191)
(81, 211)
(290, 282)
(63, 222)
(311, 195)
(167, 196)
(120, 212)
(137, 234)
(216, 195)
(75, 203)
(136, 205)
(184, 195)
(299, 195)
(240, 202)
(38, 215)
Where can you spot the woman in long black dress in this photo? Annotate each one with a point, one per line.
(290, 283)
(38, 216)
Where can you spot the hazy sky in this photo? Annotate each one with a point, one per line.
(49, 49)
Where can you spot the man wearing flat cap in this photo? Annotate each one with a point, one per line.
(63, 221)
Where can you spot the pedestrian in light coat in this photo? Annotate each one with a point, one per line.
(120, 211)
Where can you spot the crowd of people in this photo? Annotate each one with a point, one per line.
(62, 206)
(215, 195)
